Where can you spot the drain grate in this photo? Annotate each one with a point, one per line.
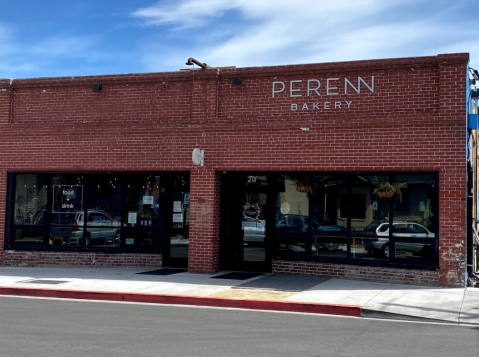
(42, 281)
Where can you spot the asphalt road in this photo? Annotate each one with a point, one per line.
(39, 327)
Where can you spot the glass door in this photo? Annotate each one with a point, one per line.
(246, 223)
(253, 239)
(176, 242)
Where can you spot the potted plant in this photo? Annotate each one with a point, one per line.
(305, 184)
(386, 189)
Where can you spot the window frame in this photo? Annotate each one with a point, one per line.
(157, 229)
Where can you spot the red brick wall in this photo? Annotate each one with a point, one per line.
(357, 272)
(35, 258)
(414, 120)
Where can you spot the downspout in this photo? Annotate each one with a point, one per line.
(469, 235)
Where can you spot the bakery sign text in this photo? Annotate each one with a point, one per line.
(314, 88)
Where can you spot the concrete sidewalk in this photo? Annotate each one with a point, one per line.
(247, 290)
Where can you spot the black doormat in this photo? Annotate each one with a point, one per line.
(42, 281)
(165, 271)
(237, 276)
(283, 283)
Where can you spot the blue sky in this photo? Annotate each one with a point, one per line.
(49, 38)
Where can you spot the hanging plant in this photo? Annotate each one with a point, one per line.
(305, 184)
(387, 190)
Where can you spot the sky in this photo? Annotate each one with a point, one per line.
(52, 38)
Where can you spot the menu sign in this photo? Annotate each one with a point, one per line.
(67, 198)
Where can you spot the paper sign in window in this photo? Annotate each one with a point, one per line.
(176, 206)
(177, 218)
(147, 200)
(132, 217)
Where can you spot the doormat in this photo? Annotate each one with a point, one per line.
(51, 282)
(237, 276)
(164, 271)
(283, 283)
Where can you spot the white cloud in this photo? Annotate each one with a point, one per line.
(62, 46)
(184, 14)
(270, 32)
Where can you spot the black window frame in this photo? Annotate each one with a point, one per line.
(157, 231)
(427, 264)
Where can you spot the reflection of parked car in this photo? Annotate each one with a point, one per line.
(253, 231)
(379, 241)
(67, 228)
(292, 229)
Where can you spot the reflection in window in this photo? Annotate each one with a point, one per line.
(350, 217)
(414, 223)
(88, 210)
(329, 228)
(368, 229)
(30, 206)
(292, 215)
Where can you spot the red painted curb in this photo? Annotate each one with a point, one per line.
(290, 306)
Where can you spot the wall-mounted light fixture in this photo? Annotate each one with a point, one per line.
(236, 81)
(96, 87)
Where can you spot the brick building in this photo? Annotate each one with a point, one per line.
(98, 171)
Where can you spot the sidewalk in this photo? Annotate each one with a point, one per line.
(247, 290)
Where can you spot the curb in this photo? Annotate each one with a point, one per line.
(288, 306)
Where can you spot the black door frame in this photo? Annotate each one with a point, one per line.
(233, 187)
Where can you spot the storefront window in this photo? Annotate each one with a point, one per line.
(83, 211)
(349, 216)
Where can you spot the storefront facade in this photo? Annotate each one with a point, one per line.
(352, 170)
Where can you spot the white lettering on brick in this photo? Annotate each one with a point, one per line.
(329, 88)
(313, 89)
(278, 91)
(291, 90)
(358, 89)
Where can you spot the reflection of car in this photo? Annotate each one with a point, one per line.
(61, 228)
(292, 229)
(379, 241)
(253, 231)
(67, 228)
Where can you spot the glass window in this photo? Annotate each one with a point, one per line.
(414, 225)
(142, 201)
(179, 224)
(67, 204)
(103, 211)
(292, 215)
(370, 230)
(86, 210)
(28, 236)
(330, 212)
(30, 206)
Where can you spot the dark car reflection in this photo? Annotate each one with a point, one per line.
(293, 230)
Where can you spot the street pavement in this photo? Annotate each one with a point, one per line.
(247, 290)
